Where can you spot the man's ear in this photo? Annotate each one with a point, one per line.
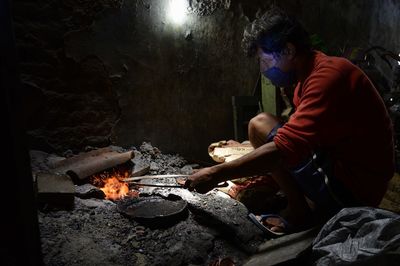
(290, 50)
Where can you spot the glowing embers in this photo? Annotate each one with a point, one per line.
(109, 182)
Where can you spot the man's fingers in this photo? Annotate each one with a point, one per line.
(199, 181)
(188, 184)
(202, 190)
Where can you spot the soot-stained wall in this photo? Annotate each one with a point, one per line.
(359, 23)
(123, 72)
(67, 104)
(100, 72)
(174, 82)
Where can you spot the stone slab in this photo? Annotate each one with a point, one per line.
(284, 249)
(55, 190)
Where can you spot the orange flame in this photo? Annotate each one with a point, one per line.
(115, 189)
(111, 186)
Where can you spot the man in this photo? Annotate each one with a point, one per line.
(336, 150)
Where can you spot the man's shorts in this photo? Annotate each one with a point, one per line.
(315, 177)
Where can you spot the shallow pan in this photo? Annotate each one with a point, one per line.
(154, 211)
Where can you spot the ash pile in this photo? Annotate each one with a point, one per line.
(93, 229)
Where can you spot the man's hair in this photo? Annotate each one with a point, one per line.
(272, 31)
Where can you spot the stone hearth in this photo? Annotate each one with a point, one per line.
(94, 232)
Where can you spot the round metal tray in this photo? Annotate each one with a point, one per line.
(154, 210)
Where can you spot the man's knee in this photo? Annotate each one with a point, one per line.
(263, 123)
(259, 128)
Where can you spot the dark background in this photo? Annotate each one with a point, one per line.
(93, 73)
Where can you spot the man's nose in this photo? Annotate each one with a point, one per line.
(263, 67)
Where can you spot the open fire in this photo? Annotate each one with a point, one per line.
(110, 184)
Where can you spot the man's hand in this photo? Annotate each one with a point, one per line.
(202, 181)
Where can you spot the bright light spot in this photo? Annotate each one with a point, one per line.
(177, 11)
(398, 62)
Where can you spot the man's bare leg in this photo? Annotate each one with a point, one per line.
(297, 211)
(259, 127)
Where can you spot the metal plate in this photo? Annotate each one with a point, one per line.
(154, 210)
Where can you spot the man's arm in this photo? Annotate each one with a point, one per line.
(266, 158)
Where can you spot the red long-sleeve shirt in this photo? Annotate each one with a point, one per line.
(340, 111)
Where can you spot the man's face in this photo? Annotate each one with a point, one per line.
(278, 67)
(269, 60)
